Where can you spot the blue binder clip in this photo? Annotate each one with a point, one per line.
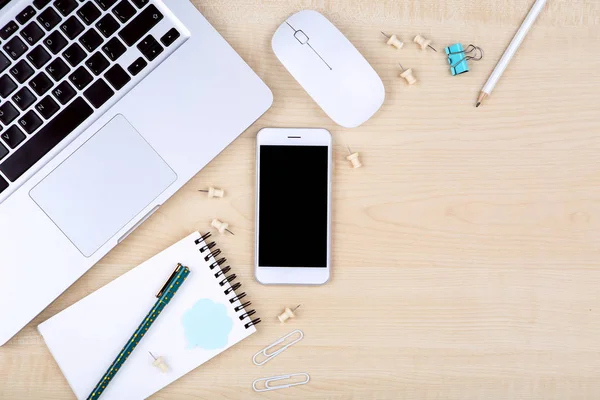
(458, 57)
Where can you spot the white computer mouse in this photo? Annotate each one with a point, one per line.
(329, 68)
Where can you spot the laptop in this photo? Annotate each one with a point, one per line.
(107, 107)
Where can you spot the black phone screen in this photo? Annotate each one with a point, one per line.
(293, 206)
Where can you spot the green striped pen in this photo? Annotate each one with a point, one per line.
(164, 297)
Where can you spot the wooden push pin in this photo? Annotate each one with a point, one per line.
(407, 74)
(160, 364)
(287, 314)
(220, 226)
(214, 192)
(423, 43)
(393, 41)
(354, 158)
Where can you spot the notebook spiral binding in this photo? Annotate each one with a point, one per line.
(221, 276)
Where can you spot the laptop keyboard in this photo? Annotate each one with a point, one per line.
(60, 61)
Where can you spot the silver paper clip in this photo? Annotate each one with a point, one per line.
(268, 386)
(269, 356)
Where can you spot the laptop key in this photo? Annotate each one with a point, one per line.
(25, 15)
(24, 98)
(39, 56)
(55, 42)
(64, 92)
(41, 84)
(58, 69)
(74, 54)
(46, 139)
(97, 63)
(3, 183)
(105, 4)
(32, 33)
(3, 153)
(140, 3)
(47, 107)
(150, 48)
(137, 66)
(117, 77)
(91, 40)
(65, 7)
(141, 25)
(153, 52)
(114, 49)
(30, 122)
(13, 136)
(72, 27)
(49, 18)
(4, 62)
(21, 71)
(108, 25)
(81, 78)
(89, 13)
(7, 86)
(146, 43)
(8, 113)
(124, 11)
(39, 4)
(98, 93)
(170, 37)
(8, 30)
(15, 47)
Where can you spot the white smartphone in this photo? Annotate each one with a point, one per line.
(293, 206)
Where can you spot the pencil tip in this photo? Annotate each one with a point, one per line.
(481, 98)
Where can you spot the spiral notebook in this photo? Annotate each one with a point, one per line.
(203, 319)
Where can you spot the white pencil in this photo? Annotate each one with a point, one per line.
(511, 50)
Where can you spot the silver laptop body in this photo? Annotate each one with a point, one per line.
(107, 108)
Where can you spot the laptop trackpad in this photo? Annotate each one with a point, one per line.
(103, 185)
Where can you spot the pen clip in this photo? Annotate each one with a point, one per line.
(177, 269)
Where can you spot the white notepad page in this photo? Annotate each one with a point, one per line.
(86, 337)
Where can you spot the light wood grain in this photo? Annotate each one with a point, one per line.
(466, 262)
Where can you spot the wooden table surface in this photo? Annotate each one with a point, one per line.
(466, 251)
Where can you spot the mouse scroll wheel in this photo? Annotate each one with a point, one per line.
(301, 37)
